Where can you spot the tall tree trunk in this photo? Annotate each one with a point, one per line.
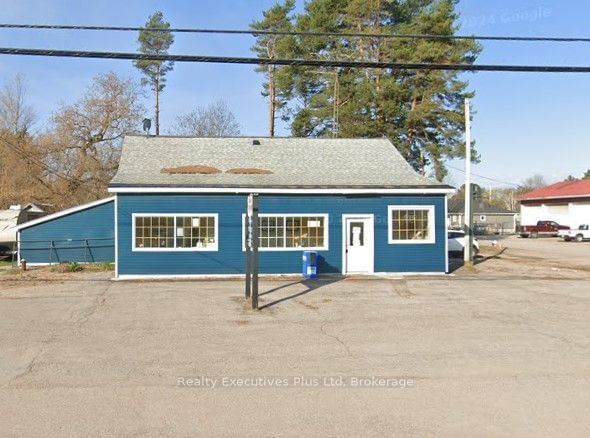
(158, 103)
(410, 127)
(271, 101)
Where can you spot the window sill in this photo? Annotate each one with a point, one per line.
(412, 242)
(287, 249)
(174, 249)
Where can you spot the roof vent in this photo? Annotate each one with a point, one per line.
(256, 142)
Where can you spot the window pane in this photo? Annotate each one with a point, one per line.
(290, 231)
(195, 232)
(410, 224)
(153, 232)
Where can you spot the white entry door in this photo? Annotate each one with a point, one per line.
(358, 244)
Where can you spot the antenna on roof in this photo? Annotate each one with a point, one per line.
(147, 124)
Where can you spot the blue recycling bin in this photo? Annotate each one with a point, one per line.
(310, 264)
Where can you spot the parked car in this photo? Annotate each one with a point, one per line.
(579, 235)
(543, 228)
(456, 243)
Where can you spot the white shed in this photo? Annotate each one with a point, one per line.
(13, 216)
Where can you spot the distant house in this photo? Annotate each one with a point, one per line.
(13, 216)
(487, 218)
(566, 202)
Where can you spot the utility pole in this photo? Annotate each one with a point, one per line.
(255, 252)
(468, 250)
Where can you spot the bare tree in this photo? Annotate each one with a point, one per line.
(23, 177)
(531, 183)
(16, 116)
(83, 146)
(214, 120)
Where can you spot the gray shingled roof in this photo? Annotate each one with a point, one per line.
(294, 162)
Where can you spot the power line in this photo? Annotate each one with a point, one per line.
(483, 177)
(296, 62)
(255, 32)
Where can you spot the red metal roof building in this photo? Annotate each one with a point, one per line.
(566, 202)
(560, 190)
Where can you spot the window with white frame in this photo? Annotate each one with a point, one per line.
(291, 232)
(170, 232)
(411, 224)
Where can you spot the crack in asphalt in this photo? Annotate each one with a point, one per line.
(28, 368)
(92, 309)
(400, 287)
(336, 338)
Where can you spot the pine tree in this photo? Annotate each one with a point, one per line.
(155, 43)
(278, 83)
(420, 111)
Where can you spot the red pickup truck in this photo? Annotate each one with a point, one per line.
(543, 228)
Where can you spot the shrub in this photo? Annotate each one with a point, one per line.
(74, 267)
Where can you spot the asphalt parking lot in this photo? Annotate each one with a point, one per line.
(573, 254)
(445, 356)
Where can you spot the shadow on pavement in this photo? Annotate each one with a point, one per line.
(311, 285)
(457, 262)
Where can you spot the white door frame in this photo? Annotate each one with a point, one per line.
(370, 238)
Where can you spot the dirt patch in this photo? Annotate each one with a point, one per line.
(249, 171)
(16, 278)
(505, 262)
(190, 170)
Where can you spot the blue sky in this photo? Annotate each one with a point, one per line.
(524, 124)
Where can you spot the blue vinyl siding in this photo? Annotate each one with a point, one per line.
(83, 236)
(229, 259)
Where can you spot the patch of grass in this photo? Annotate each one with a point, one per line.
(102, 266)
(74, 267)
(5, 263)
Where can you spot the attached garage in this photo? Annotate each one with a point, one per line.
(84, 234)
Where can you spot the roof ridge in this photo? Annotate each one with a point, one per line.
(265, 137)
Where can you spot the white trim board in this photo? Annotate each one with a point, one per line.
(65, 213)
(116, 212)
(380, 275)
(213, 248)
(132, 277)
(548, 198)
(370, 216)
(401, 191)
(431, 224)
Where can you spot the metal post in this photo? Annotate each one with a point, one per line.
(50, 252)
(248, 244)
(255, 251)
(468, 250)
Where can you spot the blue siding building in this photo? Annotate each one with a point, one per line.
(82, 234)
(229, 257)
(181, 204)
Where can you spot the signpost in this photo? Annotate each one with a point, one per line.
(249, 212)
(252, 249)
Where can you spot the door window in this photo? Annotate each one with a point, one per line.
(356, 234)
